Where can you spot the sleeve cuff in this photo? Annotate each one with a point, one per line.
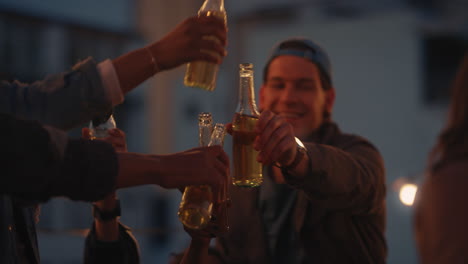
(316, 175)
(110, 81)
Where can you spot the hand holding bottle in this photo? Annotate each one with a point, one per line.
(187, 43)
(197, 166)
(203, 74)
(275, 141)
(247, 170)
(196, 205)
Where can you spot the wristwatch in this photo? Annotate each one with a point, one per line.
(301, 152)
(107, 215)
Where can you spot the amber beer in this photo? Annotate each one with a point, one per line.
(223, 201)
(202, 74)
(196, 206)
(247, 170)
(221, 211)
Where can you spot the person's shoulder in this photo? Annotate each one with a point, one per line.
(347, 139)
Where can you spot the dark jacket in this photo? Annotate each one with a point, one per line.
(339, 214)
(125, 250)
(40, 162)
(35, 171)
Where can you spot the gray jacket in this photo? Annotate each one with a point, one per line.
(63, 101)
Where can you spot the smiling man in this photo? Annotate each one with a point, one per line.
(323, 195)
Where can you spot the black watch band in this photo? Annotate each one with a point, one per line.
(107, 215)
(301, 152)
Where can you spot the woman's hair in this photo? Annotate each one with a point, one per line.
(453, 139)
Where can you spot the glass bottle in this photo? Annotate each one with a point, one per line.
(196, 206)
(217, 137)
(98, 127)
(202, 74)
(247, 170)
(223, 200)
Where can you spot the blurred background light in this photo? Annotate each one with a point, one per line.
(408, 193)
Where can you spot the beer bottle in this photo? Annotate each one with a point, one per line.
(217, 137)
(202, 74)
(223, 200)
(197, 201)
(247, 170)
(99, 126)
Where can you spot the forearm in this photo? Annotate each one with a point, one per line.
(205, 165)
(167, 171)
(138, 169)
(135, 67)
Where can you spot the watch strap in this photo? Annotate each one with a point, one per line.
(300, 153)
(107, 215)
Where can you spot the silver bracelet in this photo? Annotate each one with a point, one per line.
(153, 60)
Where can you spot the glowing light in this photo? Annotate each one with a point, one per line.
(408, 193)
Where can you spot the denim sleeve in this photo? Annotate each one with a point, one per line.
(123, 251)
(63, 100)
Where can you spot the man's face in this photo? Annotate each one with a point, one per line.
(293, 90)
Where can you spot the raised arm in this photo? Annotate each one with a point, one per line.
(348, 176)
(68, 99)
(347, 173)
(183, 44)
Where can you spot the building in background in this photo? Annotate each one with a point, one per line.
(393, 63)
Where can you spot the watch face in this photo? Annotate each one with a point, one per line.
(299, 143)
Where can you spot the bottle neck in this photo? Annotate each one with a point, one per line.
(247, 105)
(205, 128)
(213, 5)
(217, 138)
(101, 130)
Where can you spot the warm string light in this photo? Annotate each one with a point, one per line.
(407, 188)
(408, 193)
